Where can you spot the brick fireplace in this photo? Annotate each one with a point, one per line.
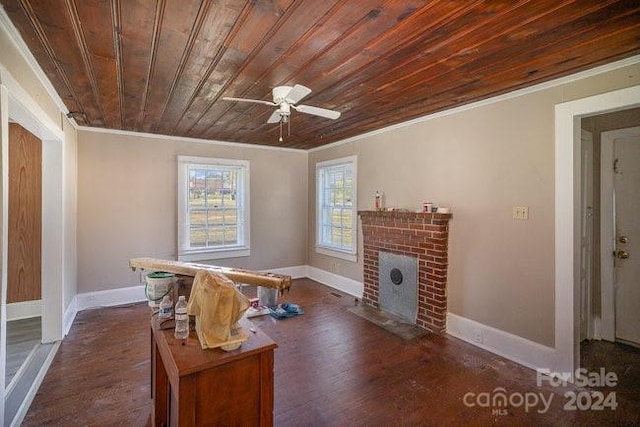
(420, 235)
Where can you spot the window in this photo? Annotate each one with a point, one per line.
(336, 208)
(213, 208)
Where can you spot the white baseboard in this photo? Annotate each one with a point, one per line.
(510, 346)
(24, 310)
(70, 315)
(341, 283)
(296, 272)
(110, 297)
(24, 407)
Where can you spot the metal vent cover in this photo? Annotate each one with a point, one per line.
(398, 280)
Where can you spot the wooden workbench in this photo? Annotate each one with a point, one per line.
(191, 386)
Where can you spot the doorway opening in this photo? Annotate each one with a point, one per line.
(565, 357)
(24, 293)
(18, 108)
(609, 321)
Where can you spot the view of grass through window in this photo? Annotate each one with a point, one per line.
(337, 207)
(213, 207)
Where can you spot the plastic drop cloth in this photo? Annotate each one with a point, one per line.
(217, 305)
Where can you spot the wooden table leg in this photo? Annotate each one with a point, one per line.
(159, 390)
(266, 388)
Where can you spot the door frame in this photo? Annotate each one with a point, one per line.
(568, 145)
(608, 229)
(587, 329)
(18, 106)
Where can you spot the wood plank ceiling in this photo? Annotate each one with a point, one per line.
(163, 66)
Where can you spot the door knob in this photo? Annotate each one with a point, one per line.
(623, 239)
(622, 254)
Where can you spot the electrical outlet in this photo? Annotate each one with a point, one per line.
(520, 212)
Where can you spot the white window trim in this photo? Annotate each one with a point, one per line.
(348, 255)
(204, 254)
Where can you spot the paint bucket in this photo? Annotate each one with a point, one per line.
(268, 296)
(158, 285)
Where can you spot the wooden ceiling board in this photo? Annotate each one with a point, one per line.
(181, 23)
(138, 41)
(200, 63)
(163, 66)
(98, 56)
(243, 45)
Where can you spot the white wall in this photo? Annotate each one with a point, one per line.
(481, 162)
(127, 205)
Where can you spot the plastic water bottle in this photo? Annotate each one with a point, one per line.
(166, 308)
(182, 319)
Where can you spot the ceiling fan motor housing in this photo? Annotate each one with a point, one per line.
(280, 93)
(284, 110)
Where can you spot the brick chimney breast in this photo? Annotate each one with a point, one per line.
(416, 234)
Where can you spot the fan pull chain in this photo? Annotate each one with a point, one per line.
(280, 130)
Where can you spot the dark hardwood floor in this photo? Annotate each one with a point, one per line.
(331, 368)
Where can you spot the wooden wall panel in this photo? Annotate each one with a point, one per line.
(25, 215)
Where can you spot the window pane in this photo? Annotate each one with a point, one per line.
(198, 218)
(336, 236)
(216, 237)
(214, 216)
(196, 197)
(230, 217)
(347, 218)
(336, 218)
(348, 198)
(198, 237)
(231, 236)
(346, 237)
(197, 178)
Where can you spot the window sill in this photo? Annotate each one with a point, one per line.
(206, 255)
(337, 254)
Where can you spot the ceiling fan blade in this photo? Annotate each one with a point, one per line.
(255, 101)
(275, 117)
(297, 93)
(317, 111)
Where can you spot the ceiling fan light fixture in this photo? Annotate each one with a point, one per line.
(285, 98)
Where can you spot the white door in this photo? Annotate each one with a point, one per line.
(586, 236)
(627, 236)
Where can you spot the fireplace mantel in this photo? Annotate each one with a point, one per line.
(421, 235)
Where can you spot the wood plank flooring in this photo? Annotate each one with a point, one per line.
(332, 368)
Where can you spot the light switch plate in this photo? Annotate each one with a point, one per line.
(520, 212)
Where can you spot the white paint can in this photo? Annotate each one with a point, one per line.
(158, 285)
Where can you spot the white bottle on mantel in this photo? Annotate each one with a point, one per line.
(377, 201)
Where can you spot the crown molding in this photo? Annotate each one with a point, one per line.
(187, 139)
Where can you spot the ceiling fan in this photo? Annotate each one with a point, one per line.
(285, 98)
